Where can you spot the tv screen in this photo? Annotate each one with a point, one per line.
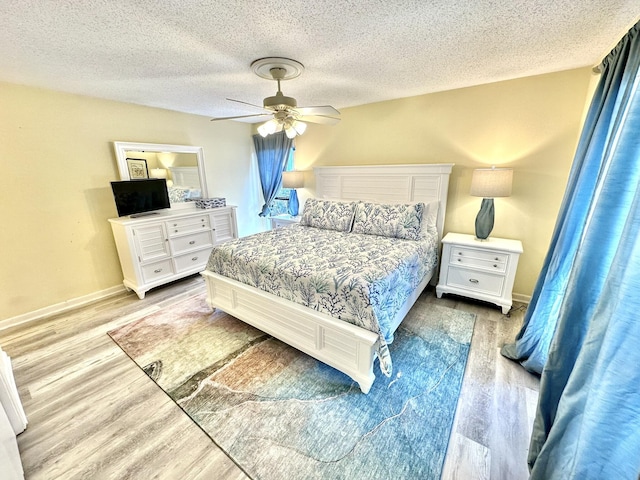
(135, 197)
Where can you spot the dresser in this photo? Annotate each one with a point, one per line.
(12, 422)
(163, 247)
(480, 269)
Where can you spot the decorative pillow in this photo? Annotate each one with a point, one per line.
(328, 214)
(430, 217)
(395, 221)
(177, 194)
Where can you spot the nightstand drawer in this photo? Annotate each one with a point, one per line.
(475, 281)
(498, 266)
(487, 255)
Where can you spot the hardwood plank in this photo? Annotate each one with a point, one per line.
(466, 460)
(94, 414)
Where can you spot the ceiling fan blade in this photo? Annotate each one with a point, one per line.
(321, 110)
(321, 119)
(247, 103)
(257, 116)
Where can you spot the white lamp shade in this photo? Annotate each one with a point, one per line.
(293, 179)
(299, 127)
(491, 182)
(290, 132)
(158, 173)
(269, 127)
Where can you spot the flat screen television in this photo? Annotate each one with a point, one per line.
(140, 197)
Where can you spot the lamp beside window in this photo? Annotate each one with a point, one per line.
(293, 180)
(489, 183)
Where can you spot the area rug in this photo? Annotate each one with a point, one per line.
(280, 414)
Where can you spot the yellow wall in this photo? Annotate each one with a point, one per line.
(57, 161)
(530, 124)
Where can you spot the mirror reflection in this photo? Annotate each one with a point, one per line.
(182, 166)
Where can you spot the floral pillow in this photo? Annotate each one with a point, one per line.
(177, 194)
(395, 221)
(328, 214)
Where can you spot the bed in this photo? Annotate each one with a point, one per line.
(398, 263)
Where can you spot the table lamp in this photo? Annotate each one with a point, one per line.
(293, 180)
(489, 183)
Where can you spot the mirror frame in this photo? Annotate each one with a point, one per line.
(122, 148)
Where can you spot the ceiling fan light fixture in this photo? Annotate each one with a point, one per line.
(299, 127)
(269, 127)
(284, 110)
(291, 133)
(262, 130)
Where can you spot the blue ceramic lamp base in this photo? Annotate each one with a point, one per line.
(484, 220)
(293, 205)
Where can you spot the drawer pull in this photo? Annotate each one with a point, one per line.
(194, 259)
(496, 259)
(459, 260)
(495, 266)
(157, 271)
(193, 241)
(175, 224)
(460, 253)
(176, 231)
(474, 280)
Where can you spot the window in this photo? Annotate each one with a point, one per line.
(280, 204)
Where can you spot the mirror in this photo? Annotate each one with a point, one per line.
(181, 165)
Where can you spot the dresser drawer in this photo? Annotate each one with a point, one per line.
(192, 260)
(188, 225)
(156, 271)
(194, 241)
(475, 281)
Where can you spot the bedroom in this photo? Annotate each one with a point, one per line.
(59, 153)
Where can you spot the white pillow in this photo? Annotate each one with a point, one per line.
(430, 217)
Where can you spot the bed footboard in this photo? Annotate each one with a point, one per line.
(341, 345)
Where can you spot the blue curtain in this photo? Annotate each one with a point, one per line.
(272, 152)
(582, 329)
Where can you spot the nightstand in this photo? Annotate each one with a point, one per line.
(480, 269)
(278, 221)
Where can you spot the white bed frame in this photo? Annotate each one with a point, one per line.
(344, 346)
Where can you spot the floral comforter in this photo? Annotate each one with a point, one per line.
(361, 279)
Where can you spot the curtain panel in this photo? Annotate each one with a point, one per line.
(582, 328)
(272, 153)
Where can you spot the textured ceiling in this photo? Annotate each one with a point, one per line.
(190, 55)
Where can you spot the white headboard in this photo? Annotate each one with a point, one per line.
(387, 184)
(185, 176)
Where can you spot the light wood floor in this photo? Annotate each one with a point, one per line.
(94, 414)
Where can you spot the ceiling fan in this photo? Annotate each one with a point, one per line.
(284, 111)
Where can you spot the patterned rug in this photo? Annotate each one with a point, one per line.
(279, 414)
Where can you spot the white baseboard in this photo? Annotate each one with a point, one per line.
(519, 297)
(60, 307)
